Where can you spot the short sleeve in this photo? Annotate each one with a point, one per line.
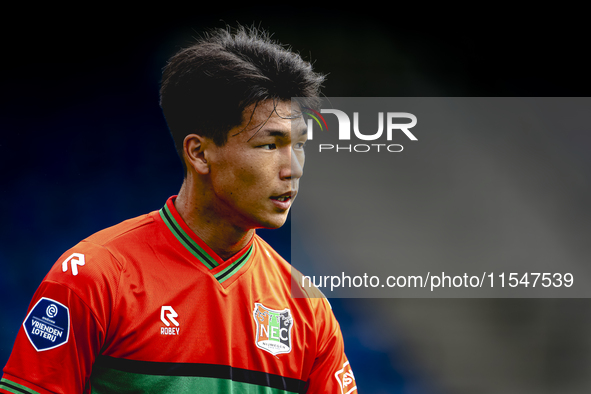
(65, 326)
(331, 371)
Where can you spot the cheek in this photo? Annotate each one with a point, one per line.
(255, 180)
(301, 158)
(241, 180)
(245, 173)
(254, 169)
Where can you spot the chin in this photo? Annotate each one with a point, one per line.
(273, 223)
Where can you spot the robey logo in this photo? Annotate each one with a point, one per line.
(389, 123)
(168, 315)
(75, 260)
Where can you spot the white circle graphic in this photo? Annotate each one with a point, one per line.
(51, 310)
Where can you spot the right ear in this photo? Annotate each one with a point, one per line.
(194, 151)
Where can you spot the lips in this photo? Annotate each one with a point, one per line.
(283, 201)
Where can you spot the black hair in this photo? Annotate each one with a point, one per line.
(206, 86)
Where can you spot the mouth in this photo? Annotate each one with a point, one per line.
(284, 200)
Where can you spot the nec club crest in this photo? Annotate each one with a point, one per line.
(273, 329)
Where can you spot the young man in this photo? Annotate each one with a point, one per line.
(189, 298)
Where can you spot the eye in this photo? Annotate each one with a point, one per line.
(268, 146)
(300, 145)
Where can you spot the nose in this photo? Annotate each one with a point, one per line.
(294, 167)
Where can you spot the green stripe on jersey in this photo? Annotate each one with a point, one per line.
(186, 240)
(234, 267)
(198, 251)
(15, 388)
(114, 381)
(120, 375)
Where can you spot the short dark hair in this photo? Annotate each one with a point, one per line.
(206, 86)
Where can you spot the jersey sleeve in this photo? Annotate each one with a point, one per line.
(65, 326)
(331, 371)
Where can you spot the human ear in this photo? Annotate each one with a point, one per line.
(194, 151)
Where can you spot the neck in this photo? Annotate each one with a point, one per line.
(194, 207)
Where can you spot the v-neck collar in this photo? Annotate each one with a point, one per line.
(220, 269)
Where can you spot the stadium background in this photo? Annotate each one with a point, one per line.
(83, 146)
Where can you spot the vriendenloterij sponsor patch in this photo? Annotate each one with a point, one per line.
(48, 324)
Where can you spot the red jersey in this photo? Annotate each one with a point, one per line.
(146, 306)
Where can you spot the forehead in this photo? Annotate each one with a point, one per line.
(271, 115)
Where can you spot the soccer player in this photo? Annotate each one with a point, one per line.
(188, 298)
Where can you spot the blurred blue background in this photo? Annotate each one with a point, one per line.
(83, 146)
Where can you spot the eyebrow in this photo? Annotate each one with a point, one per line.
(283, 133)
